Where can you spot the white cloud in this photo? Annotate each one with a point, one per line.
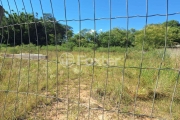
(91, 31)
(100, 30)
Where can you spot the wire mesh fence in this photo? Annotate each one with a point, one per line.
(44, 75)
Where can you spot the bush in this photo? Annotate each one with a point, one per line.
(3, 45)
(68, 46)
(82, 49)
(13, 50)
(111, 49)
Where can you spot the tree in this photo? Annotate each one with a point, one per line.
(174, 35)
(1, 13)
(17, 31)
(22, 30)
(173, 31)
(172, 23)
(154, 37)
(48, 16)
(85, 38)
(116, 37)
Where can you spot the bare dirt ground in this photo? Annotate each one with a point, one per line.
(63, 109)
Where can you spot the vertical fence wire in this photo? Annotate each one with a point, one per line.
(125, 58)
(67, 66)
(107, 69)
(2, 38)
(79, 53)
(46, 38)
(57, 68)
(141, 63)
(37, 75)
(38, 66)
(20, 66)
(29, 40)
(163, 58)
(17, 95)
(8, 86)
(93, 64)
(173, 95)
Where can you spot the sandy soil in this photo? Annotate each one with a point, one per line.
(63, 109)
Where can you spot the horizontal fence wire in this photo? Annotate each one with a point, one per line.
(52, 88)
(96, 19)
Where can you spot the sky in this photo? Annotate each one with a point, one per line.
(87, 10)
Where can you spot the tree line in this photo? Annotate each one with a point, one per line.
(25, 28)
(17, 29)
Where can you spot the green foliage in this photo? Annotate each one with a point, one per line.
(85, 38)
(82, 49)
(172, 23)
(174, 35)
(24, 31)
(13, 50)
(3, 45)
(68, 45)
(111, 49)
(116, 37)
(154, 37)
(24, 28)
(116, 84)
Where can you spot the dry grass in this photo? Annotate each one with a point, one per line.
(29, 91)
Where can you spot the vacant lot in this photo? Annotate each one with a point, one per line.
(69, 85)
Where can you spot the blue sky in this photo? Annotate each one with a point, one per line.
(102, 10)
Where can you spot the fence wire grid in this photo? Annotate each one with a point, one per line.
(57, 82)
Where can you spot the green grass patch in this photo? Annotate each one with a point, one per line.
(24, 83)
